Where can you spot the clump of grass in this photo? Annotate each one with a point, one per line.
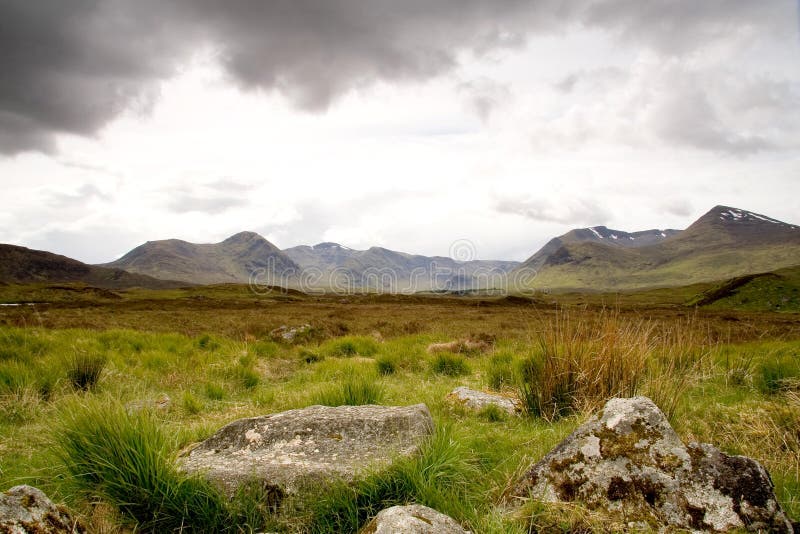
(492, 413)
(265, 349)
(191, 404)
(19, 405)
(214, 391)
(310, 356)
(352, 391)
(84, 370)
(449, 364)
(206, 342)
(779, 373)
(346, 346)
(21, 345)
(500, 372)
(576, 367)
(386, 365)
(444, 476)
(248, 377)
(125, 460)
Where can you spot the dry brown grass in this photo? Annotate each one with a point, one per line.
(578, 363)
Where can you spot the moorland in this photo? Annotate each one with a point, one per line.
(73, 357)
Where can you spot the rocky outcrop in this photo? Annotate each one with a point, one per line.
(288, 452)
(25, 509)
(479, 400)
(412, 519)
(628, 462)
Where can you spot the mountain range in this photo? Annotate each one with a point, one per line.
(377, 267)
(235, 260)
(724, 243)
(20, 265)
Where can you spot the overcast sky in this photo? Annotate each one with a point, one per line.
(406, 124)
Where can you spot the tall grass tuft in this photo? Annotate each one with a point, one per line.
(347, 346)
(779, 373)
(449, 364)
(577, 366)
(125, 460)
(500, 371)
(84, 370)
(352, 391)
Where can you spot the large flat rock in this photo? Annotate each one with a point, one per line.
(290, 451)
(628, 462)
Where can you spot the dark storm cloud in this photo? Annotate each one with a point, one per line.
(680, 26)
(72, 65)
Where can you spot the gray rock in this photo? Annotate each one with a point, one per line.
(478, 400)
(412, 519)
(629, 462)
(291, 334)
(291, 451)
(25, 509)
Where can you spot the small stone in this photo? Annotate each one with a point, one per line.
(25, 509)
(478, 400)
(291, 334)
(412, 519)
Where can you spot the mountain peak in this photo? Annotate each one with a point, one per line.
(329, 245)
(244, 237)
(728, 214)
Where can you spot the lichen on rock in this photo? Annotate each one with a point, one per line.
(412, 519)
(629, 462)
(25, 509)
(289, 452)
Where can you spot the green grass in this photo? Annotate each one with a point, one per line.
(445, 476)
(346, 346)
(779, 372)
(126, 460)
(352, 391)
(84, 370)
(711, 390)
(449, 364)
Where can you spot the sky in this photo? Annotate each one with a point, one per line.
(410, 125)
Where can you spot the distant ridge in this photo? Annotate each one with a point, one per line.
(724, 243)
(381, 268)
(233, 260)
(20, 265)
(598, 234)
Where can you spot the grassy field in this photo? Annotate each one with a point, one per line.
(195, 359)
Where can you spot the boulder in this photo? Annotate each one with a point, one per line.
(627, 461)
(478, 400)
(291, 451)
(412, 519)
(25, 509)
